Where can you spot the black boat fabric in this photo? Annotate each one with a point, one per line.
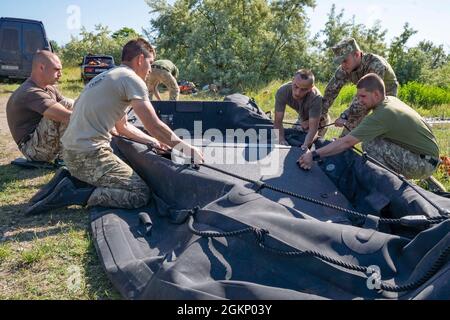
(264, 262)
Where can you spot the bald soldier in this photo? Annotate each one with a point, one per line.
(37, 113)
(355, 64)
(303, 96)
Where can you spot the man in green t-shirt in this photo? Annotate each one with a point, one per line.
(301, 95)
(165, 72)
(394, 134)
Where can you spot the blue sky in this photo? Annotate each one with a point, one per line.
(430, 17)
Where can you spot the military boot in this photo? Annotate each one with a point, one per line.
(64, 194)
(60, 174)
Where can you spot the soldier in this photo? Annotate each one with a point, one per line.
(394, 134)
(87, 153)
(37, 113)
(165, 72)
(301, 95)
(354, 64)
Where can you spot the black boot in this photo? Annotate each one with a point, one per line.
(64, 194)
(48, 188)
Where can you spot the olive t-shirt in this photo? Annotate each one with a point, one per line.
(395, 121)
(308, 107)
(169, 66)
(26, 106)
(102, 103)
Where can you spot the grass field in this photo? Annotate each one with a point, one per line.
(52, 256)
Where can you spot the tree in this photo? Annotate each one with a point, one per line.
(418, 63)
(56, 48)
(125, 33)
(370, 40)
(234, 43)
(99, 41)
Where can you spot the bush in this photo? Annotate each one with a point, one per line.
(422, 95)
(99, 41)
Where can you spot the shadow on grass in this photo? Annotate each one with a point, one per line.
(97, 281)
(16, 227)
(22, 227)
(10, 173)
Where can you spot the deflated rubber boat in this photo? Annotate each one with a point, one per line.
(249, 224)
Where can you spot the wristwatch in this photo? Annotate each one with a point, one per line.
(343, 116)
(315, 156)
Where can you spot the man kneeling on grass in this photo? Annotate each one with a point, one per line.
(100, 108)
(394, 134)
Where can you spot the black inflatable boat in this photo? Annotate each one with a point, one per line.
(264, 229)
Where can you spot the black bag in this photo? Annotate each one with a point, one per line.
(246, 102)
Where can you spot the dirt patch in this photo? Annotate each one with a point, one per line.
(3, 122)
(8, 148)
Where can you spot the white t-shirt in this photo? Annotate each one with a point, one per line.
(102, 103)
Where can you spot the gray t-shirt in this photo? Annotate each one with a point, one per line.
(309, 107)
(102, 103)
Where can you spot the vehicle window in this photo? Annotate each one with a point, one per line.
(98, 61)
(10, 40)
(33, 40)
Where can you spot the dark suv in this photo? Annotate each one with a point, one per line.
(19, 40)
(93, 65)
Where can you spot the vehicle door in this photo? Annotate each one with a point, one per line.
(10, 47)
(33, 40)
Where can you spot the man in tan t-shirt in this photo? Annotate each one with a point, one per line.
(302, 96)
(37, 113)
(100, 108)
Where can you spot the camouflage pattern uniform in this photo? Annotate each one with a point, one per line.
(370, 63)
(399, 159)
(165, 73)
(118, 186)
(44, 143)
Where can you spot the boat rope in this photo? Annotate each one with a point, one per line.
(441, 210)
(407, 221)
(259, 235)
(412, 221)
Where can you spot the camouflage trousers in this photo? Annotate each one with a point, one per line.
(399, 159)
(355, 113)
(118, 186)
(44, 143)
(162, 76)
(325, 119)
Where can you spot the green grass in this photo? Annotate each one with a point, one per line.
(52, 256)
(423, 95)
(5, 252)
(70, 84)
(8, 88)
